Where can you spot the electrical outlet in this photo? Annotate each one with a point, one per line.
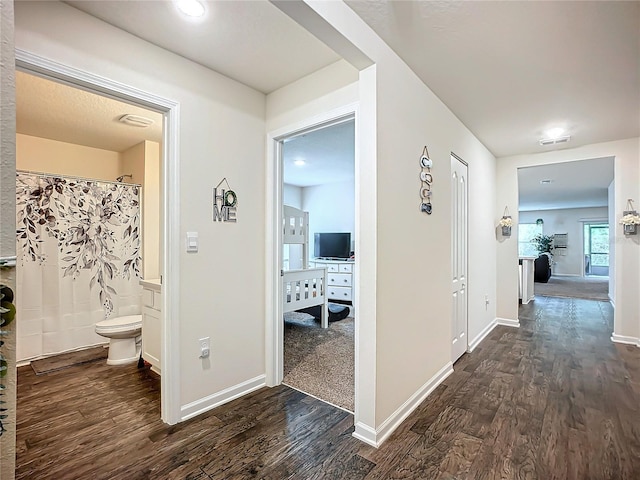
(204, 347)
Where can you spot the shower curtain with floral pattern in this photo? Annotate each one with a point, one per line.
(78, 248)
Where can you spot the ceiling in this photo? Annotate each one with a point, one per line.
(328, 155)
(508, 70)
(252, 42)
(577, 184)
(59, 112)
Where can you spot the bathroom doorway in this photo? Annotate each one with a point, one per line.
(36, 150)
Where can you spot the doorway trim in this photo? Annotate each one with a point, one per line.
(170, 238)
(274, 329)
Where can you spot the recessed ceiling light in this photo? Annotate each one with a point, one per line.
(545, 182)
(299, 162)
(554, 132)
(191, 8)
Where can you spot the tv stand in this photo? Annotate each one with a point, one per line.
(339, 278)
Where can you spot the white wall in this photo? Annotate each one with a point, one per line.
(51, 156)
(331, 208)
(611, 215)
(568, 220)
(408, 296)
(292, 195)
(627, 248)
(221, 135)
(8, 230)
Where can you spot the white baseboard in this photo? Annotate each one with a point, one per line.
(507, 322)
(567, 275)
(482, 335)
(376, 437)
(193, 409)
(626, 340)
(365, 434)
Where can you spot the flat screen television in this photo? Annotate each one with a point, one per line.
(332, 245)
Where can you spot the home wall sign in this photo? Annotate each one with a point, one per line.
(224, 203)
(426, 179)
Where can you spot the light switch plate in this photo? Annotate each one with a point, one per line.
(192, 242)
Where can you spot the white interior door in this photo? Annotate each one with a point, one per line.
(459, 211)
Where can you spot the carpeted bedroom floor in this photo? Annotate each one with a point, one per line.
(319, 361)
(591, 288)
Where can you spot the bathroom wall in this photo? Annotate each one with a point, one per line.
(143, 162)
(51, 156)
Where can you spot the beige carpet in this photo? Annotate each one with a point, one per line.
(320, 361)
(592, 288)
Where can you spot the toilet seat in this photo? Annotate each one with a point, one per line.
(119, 324)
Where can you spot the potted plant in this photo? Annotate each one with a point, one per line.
(544, 243)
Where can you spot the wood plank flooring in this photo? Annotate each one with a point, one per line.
(554, 399)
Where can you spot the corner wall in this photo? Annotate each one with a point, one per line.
(221, 134)
(411, 291)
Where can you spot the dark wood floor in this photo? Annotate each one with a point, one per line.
(554, 399)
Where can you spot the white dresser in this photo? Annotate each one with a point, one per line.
(151, 322)
(339, 278)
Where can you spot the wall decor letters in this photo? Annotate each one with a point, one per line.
(224, 203)
(426, 179)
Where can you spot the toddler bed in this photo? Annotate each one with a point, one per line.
(302, 288)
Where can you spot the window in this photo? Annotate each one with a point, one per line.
(526, 232)
(596, 249)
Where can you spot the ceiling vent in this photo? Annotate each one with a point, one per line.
(136, 120)
(552, 141)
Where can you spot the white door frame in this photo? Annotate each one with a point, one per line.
(170, 238)
(274, 329)
(466, 288)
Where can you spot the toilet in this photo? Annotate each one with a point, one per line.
(124, 338)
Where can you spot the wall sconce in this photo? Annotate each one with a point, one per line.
(630, 219)
(506, 222)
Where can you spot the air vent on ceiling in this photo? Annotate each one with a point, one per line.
(136, 120)
(552, 141)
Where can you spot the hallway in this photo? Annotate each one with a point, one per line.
(554, 399)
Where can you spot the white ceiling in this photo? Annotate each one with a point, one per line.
(510, 70)
(55, 111)
(577, 184)
(252, 42)
(328, 155)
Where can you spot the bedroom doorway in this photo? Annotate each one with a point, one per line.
(314, 331)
